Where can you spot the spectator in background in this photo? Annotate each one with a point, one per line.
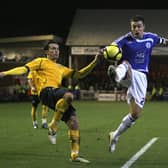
(154, 93)
(160, 92)
(2, 57)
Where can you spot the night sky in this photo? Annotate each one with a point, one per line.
(54, 17)
(33, 20)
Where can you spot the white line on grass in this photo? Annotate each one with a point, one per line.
(139, 153)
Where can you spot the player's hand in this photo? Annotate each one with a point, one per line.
(2, 74)
(99, 57)
(33, 89)
(101, 51)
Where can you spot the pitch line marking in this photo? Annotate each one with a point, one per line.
(139, 153)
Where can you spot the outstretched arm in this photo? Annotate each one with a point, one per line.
(87, 69)
(15, 71)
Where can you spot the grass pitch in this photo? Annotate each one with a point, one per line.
(22, 146)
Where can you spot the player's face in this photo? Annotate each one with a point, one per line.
(137, 29)
(53, 51)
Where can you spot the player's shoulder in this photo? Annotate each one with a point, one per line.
(126, 37)
(42, 58)
(32, 73)
(150, 34)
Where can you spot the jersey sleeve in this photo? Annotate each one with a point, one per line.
(29, 76)
(120, 41)
(157, 39)
(34, 64)
(67, 72)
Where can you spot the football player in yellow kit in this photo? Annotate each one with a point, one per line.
(34, 83)
(56, 97)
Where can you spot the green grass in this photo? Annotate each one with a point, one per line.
(21, 146)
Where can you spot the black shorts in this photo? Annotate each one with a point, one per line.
(49, 97)
(35, 100)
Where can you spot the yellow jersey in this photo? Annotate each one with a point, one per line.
(49, 73)
(36, 81)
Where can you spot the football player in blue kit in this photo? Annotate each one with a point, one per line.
(132, 71)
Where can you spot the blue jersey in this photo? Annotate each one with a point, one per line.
(138, 51)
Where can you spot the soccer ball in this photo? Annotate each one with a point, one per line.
(112, 53)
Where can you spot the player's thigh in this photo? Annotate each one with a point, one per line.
(135, 109)
(72, 123)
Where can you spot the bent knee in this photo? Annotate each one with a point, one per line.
(136, 114)
(68, 97)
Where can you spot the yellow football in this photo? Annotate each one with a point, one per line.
(112, 53)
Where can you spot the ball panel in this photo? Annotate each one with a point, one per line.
(112, 53)
(119, 56)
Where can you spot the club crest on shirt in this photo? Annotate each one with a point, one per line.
(148, 45)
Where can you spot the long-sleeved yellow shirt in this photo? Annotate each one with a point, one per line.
(50, 72)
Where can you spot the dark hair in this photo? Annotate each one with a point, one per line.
(46, 46)
(137, 18)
